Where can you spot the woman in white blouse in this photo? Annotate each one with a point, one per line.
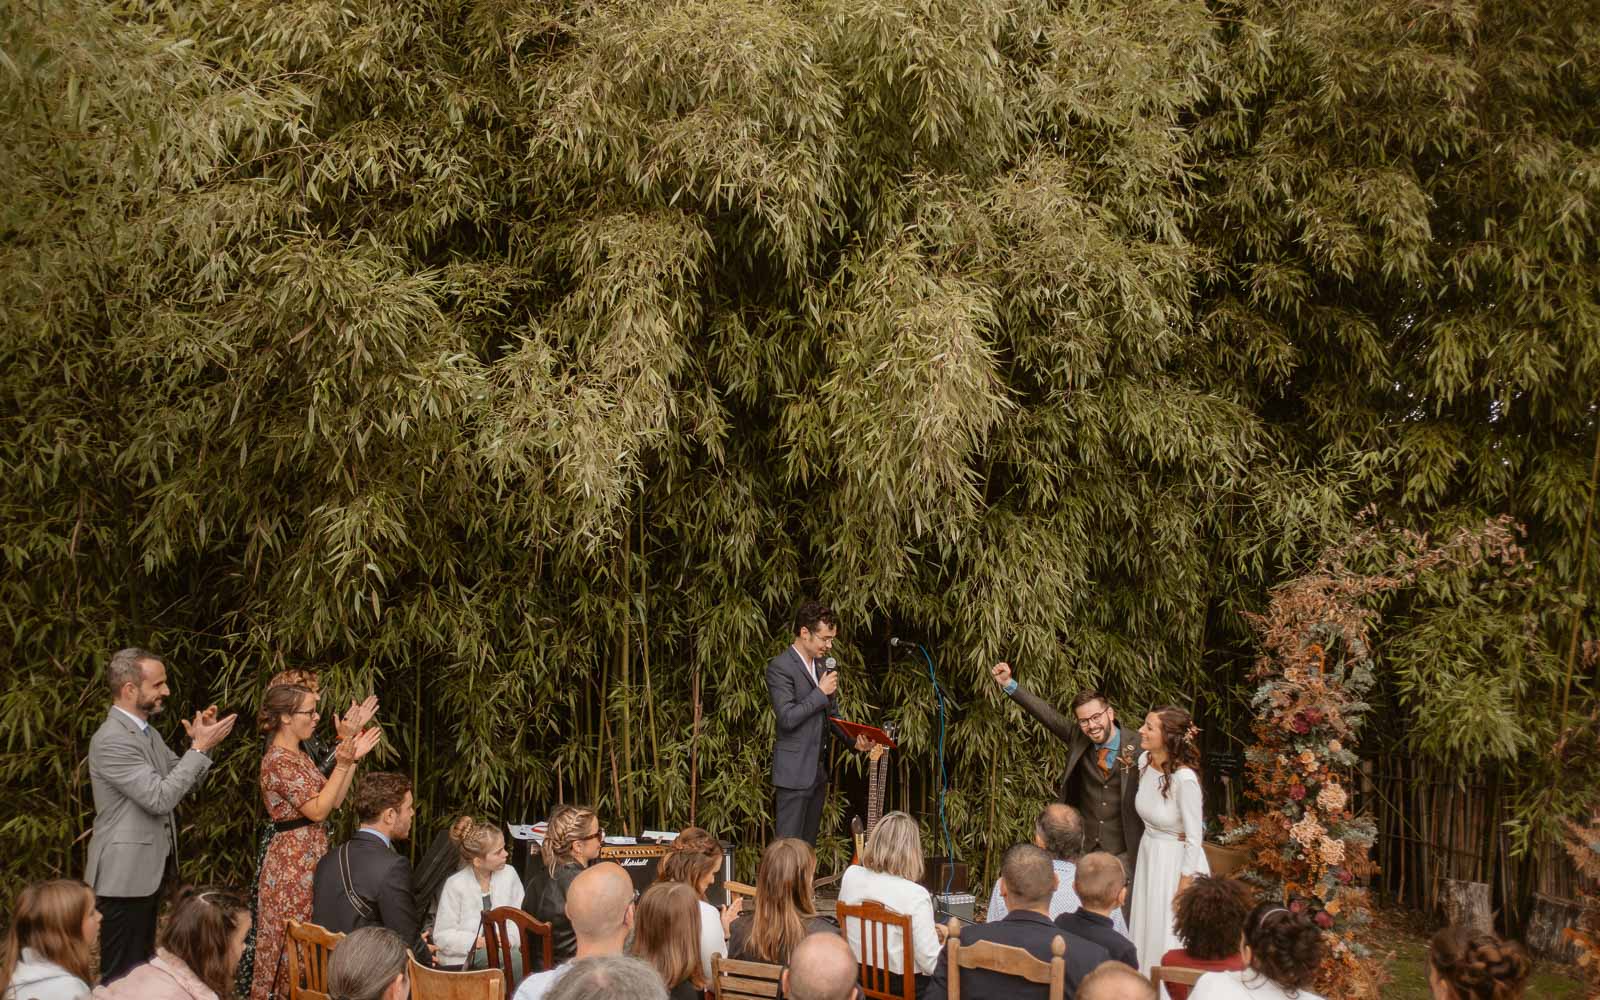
(1282, 952)
(1171, 853)
(484, 882)
(891, 864)
(693, 860)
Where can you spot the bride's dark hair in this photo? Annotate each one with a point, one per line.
(1181, 739)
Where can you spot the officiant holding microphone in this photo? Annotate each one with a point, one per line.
(804, 687)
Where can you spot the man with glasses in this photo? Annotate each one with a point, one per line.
(1098, 781)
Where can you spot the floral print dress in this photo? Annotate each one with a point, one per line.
(289, 779)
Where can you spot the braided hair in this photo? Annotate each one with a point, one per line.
(1479, 965)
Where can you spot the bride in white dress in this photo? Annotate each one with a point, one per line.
(1170, 852)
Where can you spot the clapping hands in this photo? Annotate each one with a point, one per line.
(356, 718)
(358, 746)
(206, 731)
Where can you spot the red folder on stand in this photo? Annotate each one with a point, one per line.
(873, 733)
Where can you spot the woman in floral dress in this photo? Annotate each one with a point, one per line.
(298, 798)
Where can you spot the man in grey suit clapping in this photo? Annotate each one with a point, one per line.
(137, 783)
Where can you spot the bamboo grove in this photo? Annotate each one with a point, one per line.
(527, 360)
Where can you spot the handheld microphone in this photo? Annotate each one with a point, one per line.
(895, 641)
(829, 665)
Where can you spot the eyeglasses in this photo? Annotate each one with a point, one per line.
(1085, 723)
(597, 835)
(305, 711)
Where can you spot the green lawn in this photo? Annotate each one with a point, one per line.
(1410, 976)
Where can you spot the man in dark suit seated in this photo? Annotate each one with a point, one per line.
(1028, 881)
(1102, 887)
(365, 882)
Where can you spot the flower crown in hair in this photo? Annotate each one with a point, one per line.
(1192, 735)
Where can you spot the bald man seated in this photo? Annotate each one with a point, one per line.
(1115, 981)
(600, 906)
(1027, 881)
(822, 967)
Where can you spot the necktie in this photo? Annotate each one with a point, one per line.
(1105, 760)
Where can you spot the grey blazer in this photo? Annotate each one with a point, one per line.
(1078, 744)
(137, 782)
(801, 711)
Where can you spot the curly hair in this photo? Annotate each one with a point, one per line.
(1209, 916)
(1183, 749)
(812, 615)
(1285, 947)
(692, 856)
(1478, 965)
(377, 792)
(280, 700)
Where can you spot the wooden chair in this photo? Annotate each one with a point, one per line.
(308, 947)
(1006, 960)
(1175, 974)
(432, 984)
(505, 926)
(876, 920)
(733, 980)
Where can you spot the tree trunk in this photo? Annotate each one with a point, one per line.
(1466, 904)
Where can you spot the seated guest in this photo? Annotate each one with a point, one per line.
(1058, 831)
(198, 953)
(379, 877)
(821, 968)
(484, 882)
(785, 909)
(49, 949)
(610, 977)
(1027, 881)
(1115, 981)
(1102, 887)
(1209, 919)
(1282, 951)
(369, 964)
(1464, 964)
(666, 933)
(439, 862)
(891, 864)
(600, 913)
(572, 841)
(693, 860)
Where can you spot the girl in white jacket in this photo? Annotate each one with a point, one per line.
(48, 952)
(484, 882)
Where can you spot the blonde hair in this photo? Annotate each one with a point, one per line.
(783, 899)
(479, 841)
(694, 854)
(48, 918)
(1100, 878)
(894, 847)
(565, 829)
(666, 933)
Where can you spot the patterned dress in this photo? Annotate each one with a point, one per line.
(289, 780)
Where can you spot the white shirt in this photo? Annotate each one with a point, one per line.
(902, 896)
(711, 940)
(540, 983)
(1065, 899)
(1247, 985)
(460, 917)
(143, 724)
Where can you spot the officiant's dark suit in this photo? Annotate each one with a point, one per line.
(1105, 796)
(799, 750)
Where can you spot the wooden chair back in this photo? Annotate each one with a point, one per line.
(734, 980)
(876, 920)
(1006, 960)
(508, 930)
(308, 947)
(1176, 974)
(433, 984)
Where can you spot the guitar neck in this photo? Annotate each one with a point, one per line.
(875, 781)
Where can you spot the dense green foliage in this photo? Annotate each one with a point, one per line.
(526, 362)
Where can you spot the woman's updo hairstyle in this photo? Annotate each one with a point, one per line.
(694, 854)
(1286, 947)
(1478, 965)
(281, 700)
(478, 841)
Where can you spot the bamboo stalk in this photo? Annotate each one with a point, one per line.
(644, 662)
(624, 656)
(1583, 582)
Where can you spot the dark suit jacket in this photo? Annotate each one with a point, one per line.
(545, 896)
(1025, 929)
(1093, 927)
(378, 874)
(1078, 744)
(802, 712)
